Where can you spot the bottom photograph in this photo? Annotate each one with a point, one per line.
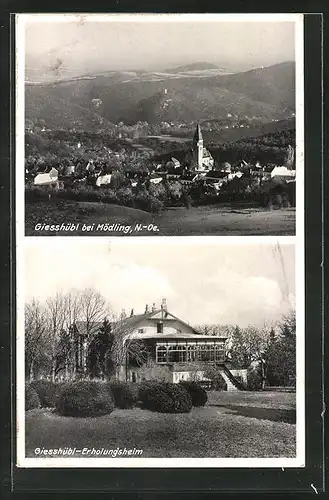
(153, 351)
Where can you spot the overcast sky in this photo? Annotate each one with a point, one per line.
(81, 46)
(203, 282)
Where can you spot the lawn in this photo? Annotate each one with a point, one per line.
(205, 220)
(231, 425)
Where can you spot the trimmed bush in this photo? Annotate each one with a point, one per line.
(198, 394)
(125, 394)
(47, 392)
(85, 399)
(31, 398)
(144, 387)
(165, 397)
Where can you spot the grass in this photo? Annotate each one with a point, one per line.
(235, 425)
(179, 221)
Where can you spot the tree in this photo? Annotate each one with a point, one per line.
(282, 353)
(55, 310)
(93, 308)
(35, 332)
(239, 351)
(99, 359)
(251, 345)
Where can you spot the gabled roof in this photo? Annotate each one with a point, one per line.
(206, 153)
(130, 323)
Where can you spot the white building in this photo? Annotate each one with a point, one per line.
(46, 178)
(175, 351)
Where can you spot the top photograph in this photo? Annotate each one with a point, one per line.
(159, 125)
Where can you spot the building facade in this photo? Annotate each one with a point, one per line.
(172, 350)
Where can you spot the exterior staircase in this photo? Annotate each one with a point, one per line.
(233, 384)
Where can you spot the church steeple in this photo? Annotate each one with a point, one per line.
(197, 135)
(198, 146)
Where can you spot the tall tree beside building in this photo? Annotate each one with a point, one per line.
(282, 365)
(99, 358)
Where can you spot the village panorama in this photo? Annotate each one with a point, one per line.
(201, 147)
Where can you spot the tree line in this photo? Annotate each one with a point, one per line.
(51, 341)
(269, 353)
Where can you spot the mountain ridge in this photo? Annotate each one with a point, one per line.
(129, 97)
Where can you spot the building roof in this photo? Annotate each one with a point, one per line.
(130, 323)
(164, 337)
(206, 153)
(216, 174)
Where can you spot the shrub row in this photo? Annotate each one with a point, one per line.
(90, 398)
(125, 394)
(85, 399)
(47, 391)
(165, 397)
(198, 394)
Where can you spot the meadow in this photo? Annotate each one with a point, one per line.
(232, 424)
(219, 219)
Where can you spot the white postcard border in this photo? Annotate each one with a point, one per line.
(298, 240)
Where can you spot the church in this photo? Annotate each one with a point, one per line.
(172, 349)
(198, 158)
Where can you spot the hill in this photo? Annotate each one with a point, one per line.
(192, 67)
(154, 97)
(273, 84)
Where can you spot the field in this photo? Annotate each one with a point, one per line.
(232, 425)
(206, 220)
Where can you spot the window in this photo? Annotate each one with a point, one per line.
(160, 327)
(220, 352)
(177, 354)
(140, 330)
(206, 352)
(161, 354)
(192, 353)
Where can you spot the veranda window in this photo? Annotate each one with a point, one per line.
(192, 354)
(177, 354)
(161, 354)
(220, 352)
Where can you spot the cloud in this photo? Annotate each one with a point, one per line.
(202, 283)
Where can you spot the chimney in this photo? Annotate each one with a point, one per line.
(146, 309)
(131, 313)
(164, 305)
(123, 314)
(153, 307)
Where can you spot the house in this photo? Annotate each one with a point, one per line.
(175, 162)
(217, 176)
(188, 178)
(174, 350)
(155, 178)
(103, 180)
(282, 172)
(46, 178)
(282, 175)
